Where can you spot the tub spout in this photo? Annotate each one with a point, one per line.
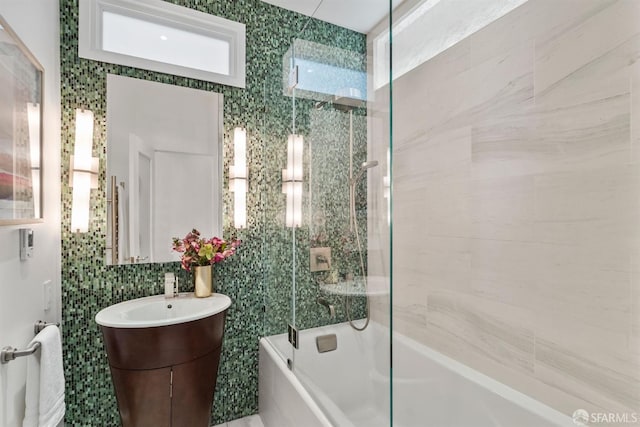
(332, 310)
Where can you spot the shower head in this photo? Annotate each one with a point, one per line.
(348, 98)
(363, 168)
(369, 164)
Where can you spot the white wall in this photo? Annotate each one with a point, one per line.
(21, 283)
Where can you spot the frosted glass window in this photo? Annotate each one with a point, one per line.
(317, 77)
(429, 29)
(148, 40)
(160, 36)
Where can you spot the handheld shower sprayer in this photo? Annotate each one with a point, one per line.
(363, 168)
(368, 165)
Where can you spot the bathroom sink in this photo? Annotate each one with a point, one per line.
(157, 310)
(157, 344)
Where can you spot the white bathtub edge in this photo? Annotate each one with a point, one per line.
(489, 383)
(312, 409)
(295, 383)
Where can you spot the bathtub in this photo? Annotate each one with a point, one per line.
(349, 387)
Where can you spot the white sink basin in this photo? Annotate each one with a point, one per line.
(157, 310)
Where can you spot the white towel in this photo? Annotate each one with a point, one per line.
(44, 398)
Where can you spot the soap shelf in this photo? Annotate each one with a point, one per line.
(375, 286)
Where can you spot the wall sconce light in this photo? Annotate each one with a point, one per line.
(292, 181)
(238, 178)
(83, 174)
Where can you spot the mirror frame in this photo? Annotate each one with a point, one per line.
(39, 70)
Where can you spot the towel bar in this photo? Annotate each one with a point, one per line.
(9, 353)
(40, 325)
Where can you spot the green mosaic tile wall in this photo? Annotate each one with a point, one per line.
(325, 194)
(258, 279)
(325, 223)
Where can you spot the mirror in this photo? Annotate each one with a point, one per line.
(164, 168)
(20, 131)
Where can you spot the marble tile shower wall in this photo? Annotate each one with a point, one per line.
(262, 268)
(519, 148)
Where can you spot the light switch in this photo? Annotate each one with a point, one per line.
(47, 290)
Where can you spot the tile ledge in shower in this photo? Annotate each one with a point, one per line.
(250, 421)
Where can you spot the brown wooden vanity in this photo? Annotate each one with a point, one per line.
(165, 376)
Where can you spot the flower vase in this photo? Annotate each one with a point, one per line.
(202, 280)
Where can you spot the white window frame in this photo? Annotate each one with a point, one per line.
(164, 13)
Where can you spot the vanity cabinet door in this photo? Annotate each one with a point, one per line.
(144, 396)
(193, 386)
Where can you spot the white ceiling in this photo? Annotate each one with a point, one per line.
(358, 15)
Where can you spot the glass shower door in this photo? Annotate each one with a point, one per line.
(516, 233)
(337, 190)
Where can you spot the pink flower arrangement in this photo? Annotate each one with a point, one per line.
(198, 251)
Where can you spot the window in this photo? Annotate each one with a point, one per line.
(325, 73)
(160, 36)
(430, 28)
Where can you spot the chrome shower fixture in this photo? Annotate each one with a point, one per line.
(363, 168)
(352, 209)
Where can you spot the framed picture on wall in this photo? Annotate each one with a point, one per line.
(21, 85)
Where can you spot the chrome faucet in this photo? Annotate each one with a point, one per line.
(332, 310)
